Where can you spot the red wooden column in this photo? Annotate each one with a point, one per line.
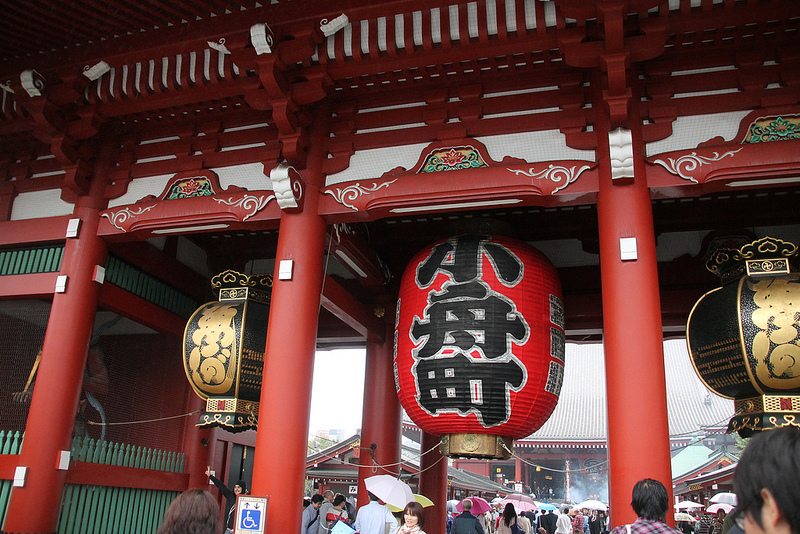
(196, 443)
(34, 507)
(638, 432)
(282, 438)
(380, 416)
(433, 482)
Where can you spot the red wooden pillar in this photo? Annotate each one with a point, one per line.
(380, 416)
(433, 482)
(196, 444)
(34, 507)
(632, 333)
(282, 437)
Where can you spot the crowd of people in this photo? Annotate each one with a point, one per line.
(766, 487)
(505, 520)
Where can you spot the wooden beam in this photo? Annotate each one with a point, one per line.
(340, 303)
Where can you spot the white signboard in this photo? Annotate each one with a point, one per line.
(251, 515)
(352, 490)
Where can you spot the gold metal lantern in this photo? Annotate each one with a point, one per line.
(744, 337)
(223, 350)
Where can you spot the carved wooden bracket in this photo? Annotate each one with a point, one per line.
(288, 187)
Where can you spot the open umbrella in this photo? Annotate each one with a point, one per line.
(390, 490)
(714, 508)
(479, 505)
(724, 497)
(451, 506)
(521, 503)
(683, 516)
(546, 506)
(685, 505)
(422, 499)
(591, 504)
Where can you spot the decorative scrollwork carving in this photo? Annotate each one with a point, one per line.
(118, 217)
(328, 28)
(684, 165)
(247, 202)
(555, 173)
(352, 192)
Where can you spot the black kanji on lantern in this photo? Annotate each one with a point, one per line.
(469, 316)
(463, 384)
(464, 359)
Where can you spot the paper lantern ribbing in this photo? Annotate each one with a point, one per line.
(479, 343)
(744, 337)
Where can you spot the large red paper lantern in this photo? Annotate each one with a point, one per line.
(479, 343)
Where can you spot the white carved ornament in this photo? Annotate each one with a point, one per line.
(32, 82)
(328, 28)
(620, 146)
(352, 192)
(684, 165)
(247, 202)
(287, 187)
(96, 71)
(219, 46)
(118, 217)
(262, 38)
(554, 173)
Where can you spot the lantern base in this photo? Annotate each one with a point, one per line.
(476, 446)
(762, 413)
(229, 413)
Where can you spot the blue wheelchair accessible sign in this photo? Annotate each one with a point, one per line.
(251, 514)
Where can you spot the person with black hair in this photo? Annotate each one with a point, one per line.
(240, 488)
(767, 483)
(650, 501)
(309, 521)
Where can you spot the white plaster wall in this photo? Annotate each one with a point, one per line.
(40, 204)
(530, 146)
(688, 132)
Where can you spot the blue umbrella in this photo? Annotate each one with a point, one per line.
(547, 506)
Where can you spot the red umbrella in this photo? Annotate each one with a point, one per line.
(479, 505)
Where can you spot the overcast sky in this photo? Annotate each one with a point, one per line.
(338, 393)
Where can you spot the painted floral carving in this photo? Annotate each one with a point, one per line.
(773, 129)
(452, 159)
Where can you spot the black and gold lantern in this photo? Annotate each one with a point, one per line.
(223, 350)
(744, 337)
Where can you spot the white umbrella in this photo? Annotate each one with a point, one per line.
(724, 497)
(591, 504)
(714, 508)
(390, 490)
(683, 516)
(521, 503)
(687, 504)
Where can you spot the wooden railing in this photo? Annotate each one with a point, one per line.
(110, 488)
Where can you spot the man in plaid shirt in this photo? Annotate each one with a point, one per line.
(650, 502)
